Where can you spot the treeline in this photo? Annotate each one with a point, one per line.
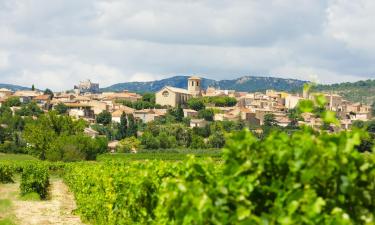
(48, 136)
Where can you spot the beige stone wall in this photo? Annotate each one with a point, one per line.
(163, 100)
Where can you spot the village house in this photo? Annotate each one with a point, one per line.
(26, 96)
(190, 113)
(122, 96)
(91, 132)
(116, 115)
(198, 123)
(148, 115)
(43, 101)
(5, 92)
(80, 110)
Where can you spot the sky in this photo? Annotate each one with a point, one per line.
(57, 43)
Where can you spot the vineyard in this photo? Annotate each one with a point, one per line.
(304, 178)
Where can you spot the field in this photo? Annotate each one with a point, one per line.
(163, 155)
(303, 178)
(16, 157)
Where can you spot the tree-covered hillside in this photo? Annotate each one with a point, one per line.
(360, 91)
(247, 83)
(13, 87)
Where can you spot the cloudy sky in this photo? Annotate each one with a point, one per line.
(56, 43)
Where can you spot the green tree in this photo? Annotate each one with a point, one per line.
(197, 142)
(30, 109)
(61, 108)
(149, 97)
(217, 140)
(104, 118)
(39, 137)
(12, 101)
(33, 87)
(132, 126)
(196, 104)
(123, 126)
(269, 120)
(128, 145)
(48, 92)
(148, 141)
(207, 114)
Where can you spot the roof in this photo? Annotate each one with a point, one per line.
(197, 121)
(177, 90)
(119, 112)
(89, 130)
(75, 104)
(42, 97)
(26, 93)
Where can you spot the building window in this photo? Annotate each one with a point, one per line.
(165, 94)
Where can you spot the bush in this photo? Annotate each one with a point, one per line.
(6, 173)
(128, 144)
(35, 178)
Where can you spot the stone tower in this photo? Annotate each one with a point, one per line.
(194, 85)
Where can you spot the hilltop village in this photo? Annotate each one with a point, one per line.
(148, 120)
(86, 102)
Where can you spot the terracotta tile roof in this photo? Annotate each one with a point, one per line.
(42, 97)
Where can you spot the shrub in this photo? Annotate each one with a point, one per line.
(35, 178)
(6, 173)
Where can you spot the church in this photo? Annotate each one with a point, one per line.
(172, 96)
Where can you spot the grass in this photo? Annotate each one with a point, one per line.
(16, 157)
(7, 221)
(169, 154)
(5, 210)
(30, 197)
(5, 205)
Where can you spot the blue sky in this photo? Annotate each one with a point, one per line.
(57, 43)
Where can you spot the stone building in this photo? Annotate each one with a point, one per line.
(87, 87)
(172, 96)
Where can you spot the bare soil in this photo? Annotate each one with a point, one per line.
(56, 210)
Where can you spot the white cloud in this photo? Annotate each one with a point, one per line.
(4, 62)
(57, 43)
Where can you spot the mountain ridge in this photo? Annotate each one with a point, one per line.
(13, 87)
(245, 83)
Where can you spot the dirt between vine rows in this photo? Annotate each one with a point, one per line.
(56, 210)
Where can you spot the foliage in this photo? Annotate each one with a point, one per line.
(128, 145)
(148, 141)
(61, 108)
(30, 109)
(146, 103)
(35, 178)
(57, 137)
(104, 118)
(6, 173)
(196, 104)
(123, 126)
(207, 114)
(48, 92)
(177, 113)
(360, 91)
(221, 101)
(306, 177)
(12, 101)
(197, 142)
(132, 126)
(148, 97)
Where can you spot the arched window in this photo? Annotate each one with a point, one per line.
(165, 93)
